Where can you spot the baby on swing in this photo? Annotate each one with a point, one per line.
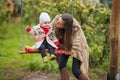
(44, 36)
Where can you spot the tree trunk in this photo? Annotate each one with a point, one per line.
(114, 39)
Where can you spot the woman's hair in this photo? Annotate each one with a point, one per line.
(68, 24)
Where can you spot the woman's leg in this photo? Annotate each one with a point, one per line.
(76, 70)
(62, 66)
(83, 76)
(76, 67)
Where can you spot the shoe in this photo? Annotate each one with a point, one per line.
(52, 57)
(45, 59)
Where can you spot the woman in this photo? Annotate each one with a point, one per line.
(73, 43)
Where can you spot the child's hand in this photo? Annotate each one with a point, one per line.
(27, 49)
(36, 38)
(28, 28)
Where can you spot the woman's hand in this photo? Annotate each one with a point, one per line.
(67, 53)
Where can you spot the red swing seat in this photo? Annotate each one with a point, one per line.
(30, 51)
(34, 51)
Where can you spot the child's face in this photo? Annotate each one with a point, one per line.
(46, 24)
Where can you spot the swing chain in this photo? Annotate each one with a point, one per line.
(72, 7)
(21, 29)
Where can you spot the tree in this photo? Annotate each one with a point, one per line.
(114, 39)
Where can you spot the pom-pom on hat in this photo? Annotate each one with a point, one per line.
(44, 17)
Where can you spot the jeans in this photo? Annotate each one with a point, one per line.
(45, 45)
(63, 59)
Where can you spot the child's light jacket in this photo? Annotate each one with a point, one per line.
(38, 31)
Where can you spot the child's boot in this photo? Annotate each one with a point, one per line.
(45, 59)
(52, 57)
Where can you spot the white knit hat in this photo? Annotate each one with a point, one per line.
(44, 17)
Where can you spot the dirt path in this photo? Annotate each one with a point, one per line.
(39, 76)
(42, 76)
(10, 74)
(30, 75)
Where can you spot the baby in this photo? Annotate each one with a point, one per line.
(44, 36)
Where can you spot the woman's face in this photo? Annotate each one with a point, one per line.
(59, 23)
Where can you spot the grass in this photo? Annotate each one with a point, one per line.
(12, 63)
(10, 59)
